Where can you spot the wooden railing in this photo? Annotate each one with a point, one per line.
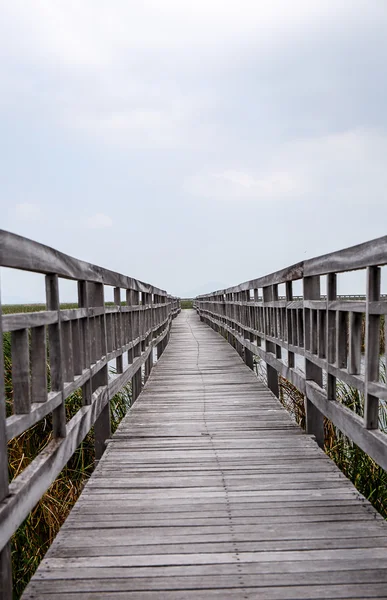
(80, 343)
(325, 331)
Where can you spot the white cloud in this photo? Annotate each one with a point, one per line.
(239, 185)
(345, 167)
(27, 211)
(99, 221)
(101, 54)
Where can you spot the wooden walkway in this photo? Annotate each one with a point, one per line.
(209, 490)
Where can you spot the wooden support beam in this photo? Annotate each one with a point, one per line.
(314, 418)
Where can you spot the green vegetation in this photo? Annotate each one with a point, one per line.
(186, 303)
(10, 309)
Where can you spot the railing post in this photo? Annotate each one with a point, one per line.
(314, 418)
(149, 326)
(130, 324)
(248, 355)
(272, 375)
(56, 358)
(289, 323)
(331, 334)
(102, 427)
(118, 317)
(5, 553)
(161, 345)
(137, 322)
(371, 407)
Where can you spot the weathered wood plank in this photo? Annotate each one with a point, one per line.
(21, 253)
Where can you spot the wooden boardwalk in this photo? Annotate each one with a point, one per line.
(209, 490)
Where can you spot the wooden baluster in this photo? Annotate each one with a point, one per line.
(372, 356)
(272, 375)
(130, 324)
(289, 322)
(20, 372)
(77, 346)
(248, 355)
(322, 333)
(83, 302)
(257, 318)
(56, 357)
(67, 351)
(118, 317)
(102, 426)
(331, 334)
(278, 349)
(149, 360)
(137, 379)
(355, 326)
(38, 364)
(314, 418)
(342, 339)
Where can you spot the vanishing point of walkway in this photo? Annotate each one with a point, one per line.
(209, 490)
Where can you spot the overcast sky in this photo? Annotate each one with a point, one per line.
(192, 144)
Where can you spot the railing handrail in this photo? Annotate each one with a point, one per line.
(81, 343)
(18, 252)
(324, 330)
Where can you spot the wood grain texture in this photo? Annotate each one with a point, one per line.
(208, 489)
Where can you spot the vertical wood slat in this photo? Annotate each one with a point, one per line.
(272, 374)
(83, 302)
(331, 334)
(137, 323)
(313, 417)
(77, 347)
(354, 358)
(294, 315)
(102, 426)
(38, 364)
(5, 553)
(137, 378)
(67, 352)
(371, 408)
(278, 349)
(109, 332)
(289, 322)
(55, 352)
(300, 327)
(118, 316)
(342, 339)
(93, 340)
(130, 324)
(322, 333)
(256, 317)
(20, 372)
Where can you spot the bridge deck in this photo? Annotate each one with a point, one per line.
(209, 490)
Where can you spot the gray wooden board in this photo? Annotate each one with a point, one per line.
(208, 489)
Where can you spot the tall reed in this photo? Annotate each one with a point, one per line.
(367, 476)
